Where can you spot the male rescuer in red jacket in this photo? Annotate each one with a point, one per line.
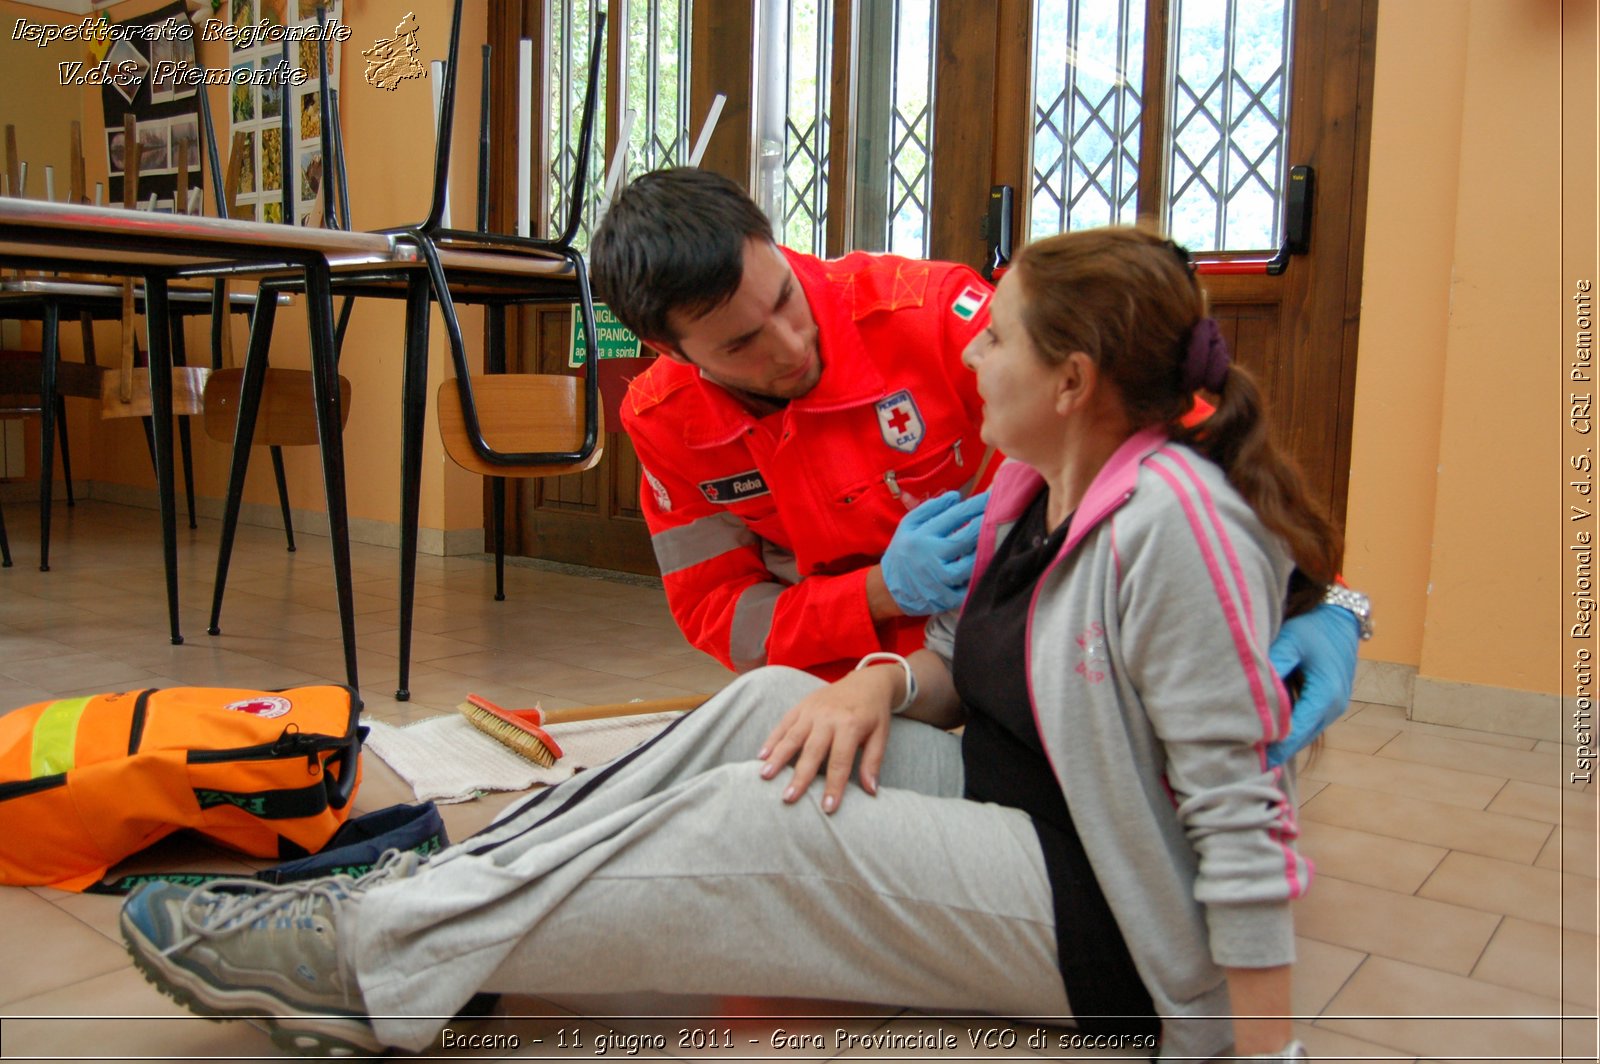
(809, 435)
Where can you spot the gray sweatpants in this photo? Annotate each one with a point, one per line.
(677, 868)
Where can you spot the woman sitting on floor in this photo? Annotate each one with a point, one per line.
(1106, 841)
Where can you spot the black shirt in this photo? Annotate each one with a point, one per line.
(1005, 763)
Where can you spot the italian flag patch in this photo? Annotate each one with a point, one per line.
(969, 302)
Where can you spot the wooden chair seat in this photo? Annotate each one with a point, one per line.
(188, 390)
(517, 412)
(287, 417)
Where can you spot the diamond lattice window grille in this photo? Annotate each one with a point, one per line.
(1088, 69)
(911, 129)
(805, 177)
(657, 83)
(1229, 130)
(570, 29)
(802, 214)
(795, 58)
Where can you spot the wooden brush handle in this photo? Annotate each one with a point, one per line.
(622, 709)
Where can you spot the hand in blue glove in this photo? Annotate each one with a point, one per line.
(1321, 645)
(930, 558)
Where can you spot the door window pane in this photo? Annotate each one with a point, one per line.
(1225, 130)
(893, 126)
(571, 33)
(1229, 110)
(1088, 64)
(796, 53)
(656, 82)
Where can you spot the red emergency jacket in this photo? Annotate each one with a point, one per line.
(765, 527)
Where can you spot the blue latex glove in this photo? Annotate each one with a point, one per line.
(1321, 645)
(930, 558)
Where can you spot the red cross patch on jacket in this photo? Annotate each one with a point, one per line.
(900, 421)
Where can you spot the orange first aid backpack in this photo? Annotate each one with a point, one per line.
(84, 782)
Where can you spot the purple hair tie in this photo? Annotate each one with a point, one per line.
(1205, 363)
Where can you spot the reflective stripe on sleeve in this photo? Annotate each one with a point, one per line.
(752, 623)
(55, 737)
(688, 545)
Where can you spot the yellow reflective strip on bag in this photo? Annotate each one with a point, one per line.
(55, 737)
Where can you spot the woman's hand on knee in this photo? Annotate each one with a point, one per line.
(830, 726)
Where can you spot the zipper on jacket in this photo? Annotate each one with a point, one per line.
(141, 707)
(893, 482)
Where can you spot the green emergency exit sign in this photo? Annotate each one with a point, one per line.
(612, 338)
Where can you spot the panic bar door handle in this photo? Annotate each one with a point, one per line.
(997, 233)
(1296, 232)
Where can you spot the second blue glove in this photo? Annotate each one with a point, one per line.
(1321, 645)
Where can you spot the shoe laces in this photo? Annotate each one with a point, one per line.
(228, 905)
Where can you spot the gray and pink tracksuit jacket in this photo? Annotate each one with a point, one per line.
(1155, 701)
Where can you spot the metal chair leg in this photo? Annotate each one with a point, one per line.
(180, 357)
(186, 451)
(66, 452)
(49, 356)
(497, 489)
(494, 361)
(330, 431)
(414, 406)
(255, 375)
(158, 319)
(5, 544)
(283, 495)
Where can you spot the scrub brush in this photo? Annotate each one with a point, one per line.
(521, 731)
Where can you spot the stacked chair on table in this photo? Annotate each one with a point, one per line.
(498, 424)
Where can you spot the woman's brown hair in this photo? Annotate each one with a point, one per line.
(1129, 300)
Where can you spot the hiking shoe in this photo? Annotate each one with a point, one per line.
(239, 948)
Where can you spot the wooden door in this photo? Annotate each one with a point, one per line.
(1296, 331)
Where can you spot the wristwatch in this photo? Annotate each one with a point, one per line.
(1354, 601)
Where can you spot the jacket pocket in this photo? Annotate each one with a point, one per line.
(919, 478)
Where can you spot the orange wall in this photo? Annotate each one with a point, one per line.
(389, 151)
(32, 100)
(1457, 504)
(1410, 241)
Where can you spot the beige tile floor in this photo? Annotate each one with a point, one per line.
(1456, 874)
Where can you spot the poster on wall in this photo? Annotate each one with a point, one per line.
(281, 117)
(147, 56)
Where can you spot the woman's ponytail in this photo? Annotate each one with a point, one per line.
(1237, 439)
